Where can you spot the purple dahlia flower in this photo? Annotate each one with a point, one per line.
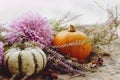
(32, 27)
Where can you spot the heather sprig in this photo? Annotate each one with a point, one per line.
(57, 61)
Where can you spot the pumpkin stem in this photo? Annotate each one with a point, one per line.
(21, 44)
(71, 28)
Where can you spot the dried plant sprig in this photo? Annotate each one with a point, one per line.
(101, 35)
(2, 30)
(64, 20)
(61, 23)
(60, 63)
(27, 44)
(76, 43)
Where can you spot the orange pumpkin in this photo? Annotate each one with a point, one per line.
(67, 42)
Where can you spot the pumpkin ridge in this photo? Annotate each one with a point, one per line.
(35, 61)
(20, 63)
(6, 65)
(42, 57)
(69, 48)
(43, 61)
(7, 61)
(6, 53)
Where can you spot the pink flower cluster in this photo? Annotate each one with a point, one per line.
(32, 27)
(1, 52)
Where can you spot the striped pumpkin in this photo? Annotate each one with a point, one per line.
(24, 62)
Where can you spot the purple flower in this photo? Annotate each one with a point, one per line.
(12, 36)
(1, 52)
(32, 27)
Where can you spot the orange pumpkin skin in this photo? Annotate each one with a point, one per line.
(80, 52)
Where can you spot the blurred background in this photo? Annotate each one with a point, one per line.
(92, 11)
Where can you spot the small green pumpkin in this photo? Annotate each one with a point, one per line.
(24, 62)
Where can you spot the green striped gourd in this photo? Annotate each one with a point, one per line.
(24, 62)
